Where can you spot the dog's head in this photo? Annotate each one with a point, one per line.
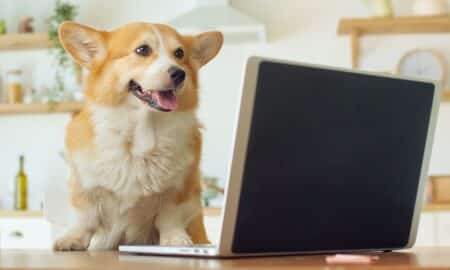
(150, 63)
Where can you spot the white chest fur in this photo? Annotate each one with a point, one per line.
(136, 151)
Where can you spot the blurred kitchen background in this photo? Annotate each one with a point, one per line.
(34, 82)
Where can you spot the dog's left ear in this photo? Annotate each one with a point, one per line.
(205, 46)
(86, 45)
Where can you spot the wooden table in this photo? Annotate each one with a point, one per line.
(423, 258)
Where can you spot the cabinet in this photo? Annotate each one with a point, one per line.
(37, 233)
(426, 232)
(25, 233)
(443, 229)
(434, 229)
(213, 225)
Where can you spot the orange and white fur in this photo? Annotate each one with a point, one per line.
(135, 147)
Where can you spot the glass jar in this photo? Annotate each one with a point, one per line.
(14, 90)
(29, 96)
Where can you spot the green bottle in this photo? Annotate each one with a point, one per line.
(2, 27)
(20, 194)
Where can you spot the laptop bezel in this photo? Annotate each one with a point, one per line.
(236, 165)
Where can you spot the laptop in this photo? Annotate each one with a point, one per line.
(325, 160)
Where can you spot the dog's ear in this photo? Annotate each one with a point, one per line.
(86, 45)
(205, 46)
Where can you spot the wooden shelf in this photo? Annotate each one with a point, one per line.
(69, 107)
(436, 207)
(394, 25)
(16, 213)
(446, 95)
(212, 212)
(28, 41)
(357, 27)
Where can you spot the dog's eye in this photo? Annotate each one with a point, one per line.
(179, 53)
(143, 50)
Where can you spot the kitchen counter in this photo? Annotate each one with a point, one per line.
(420, 258)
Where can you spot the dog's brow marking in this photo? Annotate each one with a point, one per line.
(162, 48)
(163, 62)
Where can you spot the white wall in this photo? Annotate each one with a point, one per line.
(298, 29)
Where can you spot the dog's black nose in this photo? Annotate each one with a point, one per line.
(177, 75)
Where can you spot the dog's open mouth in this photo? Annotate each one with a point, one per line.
(162, 99)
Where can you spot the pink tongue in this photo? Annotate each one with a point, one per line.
(166, 99)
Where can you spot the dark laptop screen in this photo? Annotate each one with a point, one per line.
(333, 161)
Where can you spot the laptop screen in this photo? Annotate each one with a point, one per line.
(333, 161)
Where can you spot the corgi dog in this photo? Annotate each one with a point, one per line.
(134, 149)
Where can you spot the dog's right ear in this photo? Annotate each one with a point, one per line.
(86, 45)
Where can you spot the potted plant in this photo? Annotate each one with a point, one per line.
(379, 8)
(62, 12)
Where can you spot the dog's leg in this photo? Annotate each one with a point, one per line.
(173, 219)
(79, 237)
(196, 230)
(180, 221)
(107, 238)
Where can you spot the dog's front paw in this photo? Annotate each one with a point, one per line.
(175, 238)
(70, 243)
